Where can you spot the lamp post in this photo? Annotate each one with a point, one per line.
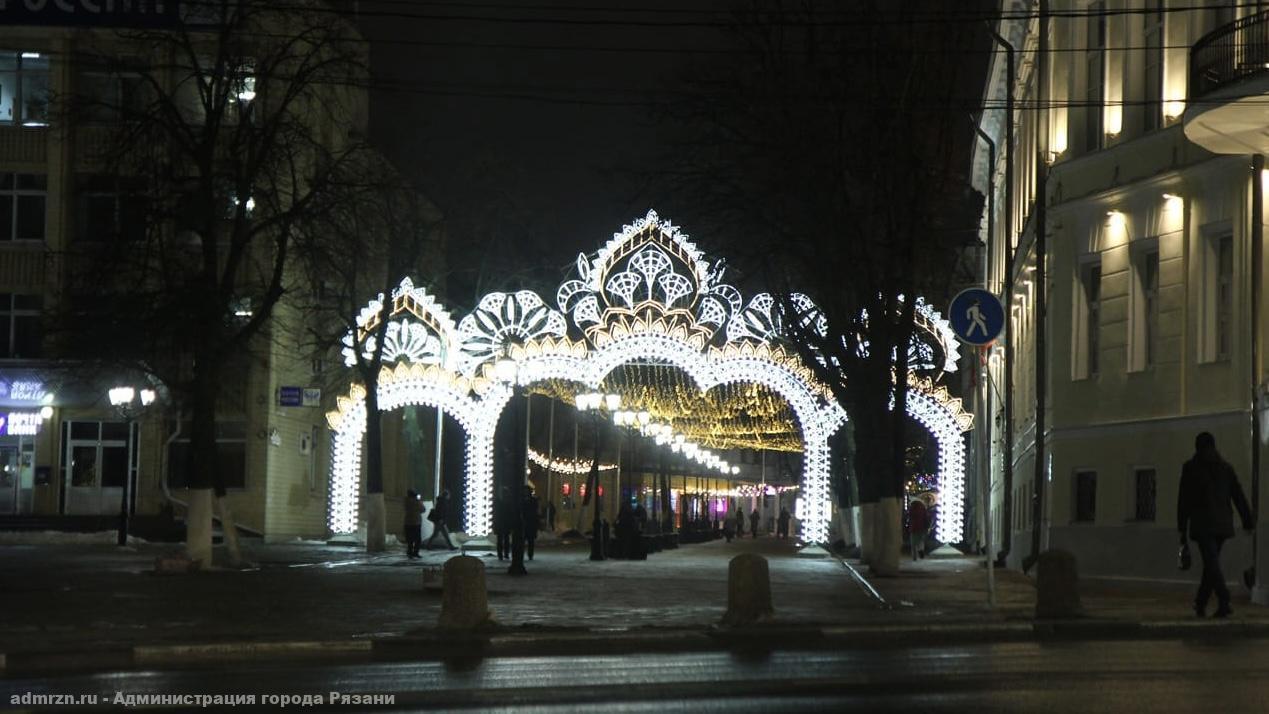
(595, 403)
(506, 369)
(128, 403)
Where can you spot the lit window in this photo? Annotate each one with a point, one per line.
(24, 88)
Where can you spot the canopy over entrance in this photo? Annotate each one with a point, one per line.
(649, 317)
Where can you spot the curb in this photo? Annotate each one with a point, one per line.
(440, 645)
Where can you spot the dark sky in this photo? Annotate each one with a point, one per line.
(518, 112)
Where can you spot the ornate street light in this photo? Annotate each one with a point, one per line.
(128, 402)
(596, 403)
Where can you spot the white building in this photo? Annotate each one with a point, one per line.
(1143, 114)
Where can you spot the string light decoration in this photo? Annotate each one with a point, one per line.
(648, 296)
(566, 466)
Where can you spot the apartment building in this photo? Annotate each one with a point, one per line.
(67, 456)
(1134, 154)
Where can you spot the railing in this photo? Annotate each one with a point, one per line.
(1229, 54)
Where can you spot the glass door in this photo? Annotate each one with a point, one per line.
(98, 455)
(10, 480)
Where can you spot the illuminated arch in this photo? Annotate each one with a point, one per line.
(648, 294)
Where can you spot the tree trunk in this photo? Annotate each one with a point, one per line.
(376, 527)
(229, 529)
(203, 477)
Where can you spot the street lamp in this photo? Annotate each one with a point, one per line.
(128, 402)
(595, 403)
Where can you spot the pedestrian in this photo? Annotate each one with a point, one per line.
(1208, 485)
(437, 517)
(782, 523)
(531, 522)
(740, 522)
(413, 508)
(918, 527)
(729, 529)
(753, 523)
(504, 520)
(550, 515)
(627, 528)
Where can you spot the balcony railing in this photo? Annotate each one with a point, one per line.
(1230, 54)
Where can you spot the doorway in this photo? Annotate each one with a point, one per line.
(99, 459)
(17, 475)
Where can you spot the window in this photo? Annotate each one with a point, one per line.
(1224, 295)
(22, 201)
(1086, 345)
(1144, 490)
(231, 455)
(104, 96)
(1095, 87)
(20, 332)
(1085, 496)
(109, 208)
(1152, 81)
(23, 88)
(1145, 323)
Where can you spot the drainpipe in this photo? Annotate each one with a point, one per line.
(983, 392)
(1041, 286)
(1006, 517)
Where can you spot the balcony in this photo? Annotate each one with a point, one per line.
(1228, 107)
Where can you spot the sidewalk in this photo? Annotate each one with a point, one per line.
(103, 605)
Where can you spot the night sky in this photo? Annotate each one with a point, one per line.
(535, 131)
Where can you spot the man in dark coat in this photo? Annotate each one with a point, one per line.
(504, 518)
(1208, 485)
(531, 522)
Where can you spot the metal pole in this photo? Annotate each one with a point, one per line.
(436, 468)
(550, 459)
(127, 483)
(1007, 298)
(1041, 287)
(1257, 252)
(521, 404)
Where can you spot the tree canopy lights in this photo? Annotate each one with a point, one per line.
(648, 296)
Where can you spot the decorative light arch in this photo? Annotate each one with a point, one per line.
(648, 294)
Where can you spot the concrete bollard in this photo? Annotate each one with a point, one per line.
(464, 602)
(1057, 586)
(748, 590)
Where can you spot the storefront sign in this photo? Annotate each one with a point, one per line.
(20, 424)
(290, 396)
(26, 390)
(116, 13)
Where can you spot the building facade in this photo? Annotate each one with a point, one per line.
(66, 455)
(1149, 330)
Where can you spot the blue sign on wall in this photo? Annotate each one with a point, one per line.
(290, 396)
(976, 316)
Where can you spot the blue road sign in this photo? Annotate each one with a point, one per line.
(976, 316)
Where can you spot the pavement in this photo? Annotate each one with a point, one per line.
(97, 606)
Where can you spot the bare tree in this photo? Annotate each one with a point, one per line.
(225, 138)
(380, 234)
(825, 154)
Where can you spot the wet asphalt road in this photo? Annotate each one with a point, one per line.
(1103, 676)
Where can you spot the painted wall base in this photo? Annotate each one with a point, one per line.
(198, 526)
(376, 520)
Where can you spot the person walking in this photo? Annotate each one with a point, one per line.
(740, 522)
(550, 515)
(918, 527)
(504, 520)
(531, 522)
(782, 523)
(437, 517)
(1203, 513)
(753, 523)
(413, 508)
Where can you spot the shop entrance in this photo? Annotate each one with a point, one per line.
(99, 459)
(17, 475)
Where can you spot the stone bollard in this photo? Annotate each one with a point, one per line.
(464, 602)
(748, 590)
(1057, 586)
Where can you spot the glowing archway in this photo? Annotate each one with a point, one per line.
(648, 294)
